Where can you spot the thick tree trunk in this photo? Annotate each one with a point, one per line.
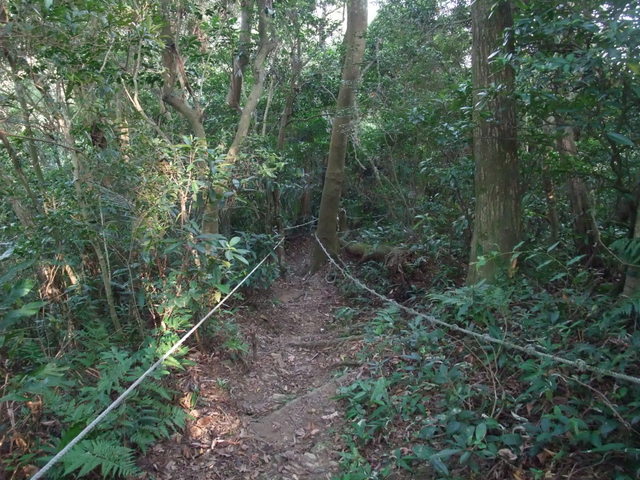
(584, 226)
(354, 40)
(497, 215)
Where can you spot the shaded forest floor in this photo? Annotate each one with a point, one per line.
(271, 414)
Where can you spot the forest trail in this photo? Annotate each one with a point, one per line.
(272, 415)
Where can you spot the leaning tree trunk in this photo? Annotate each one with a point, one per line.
(354, 40)
(497, 214)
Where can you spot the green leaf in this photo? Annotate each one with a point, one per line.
(511, 439)
(234, 241)
(552, 247)
(464, 458)
(575, 259)
(13, 271)
(379, 393)
(620, 139)
(481, 432)
(28, 310)
(439, 465)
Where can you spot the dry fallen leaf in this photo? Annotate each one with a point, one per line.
(507, 454)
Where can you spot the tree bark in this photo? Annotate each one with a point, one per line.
(552, 203)
(497, 222)
(296, 69)
(632, 279)
(80, 182)
(19, 172)
(265, 115)
(174, 73)
(241, 57)
(267, 45)
(21, 95)
(327, 231)
(585, 228)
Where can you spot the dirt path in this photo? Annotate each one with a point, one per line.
(271, 416)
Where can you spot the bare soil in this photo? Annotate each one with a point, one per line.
(271, 414)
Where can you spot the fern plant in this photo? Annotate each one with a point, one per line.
(110, 458)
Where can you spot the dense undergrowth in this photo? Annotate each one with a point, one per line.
(61, 369)
(440, 405)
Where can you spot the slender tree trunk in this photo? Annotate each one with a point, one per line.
(585, 228)
(632, 279)
(265, 115)
(241, 57)
(354, 40)
(81, 187)
(28, 130)
(124, 141)
(21, 95)
(552, 203)
(19, 172)
(267, 45)
(497, 221)
(175, 73)
(296, 69)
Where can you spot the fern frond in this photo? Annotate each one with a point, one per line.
(112, 459)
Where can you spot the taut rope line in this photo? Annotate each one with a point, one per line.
(529, 350)
(134, 385)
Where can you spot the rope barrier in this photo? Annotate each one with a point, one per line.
(134, 385)
(529, 350)
(313, 220)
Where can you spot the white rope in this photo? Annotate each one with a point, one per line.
(134, 385)
(529, 350)
(313, 220)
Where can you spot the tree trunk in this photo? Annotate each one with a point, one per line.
(552, 204)
(175, 73)
(241, 57)
(632, 279)
(21, 95)
(354, 40)
(296, 69)
(585, 228)
(265, 115)
(80, 182)
(19, 172)
(267, 45)
(497, 214)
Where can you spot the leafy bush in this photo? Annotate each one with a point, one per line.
(456, 407)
